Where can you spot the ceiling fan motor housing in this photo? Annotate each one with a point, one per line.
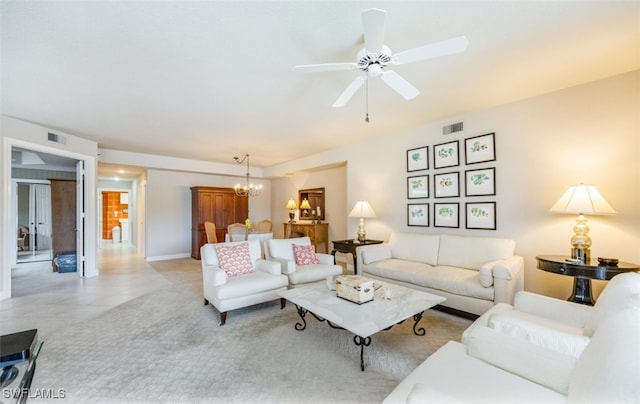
(377, 61)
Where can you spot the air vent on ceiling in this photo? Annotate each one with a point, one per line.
(57, 138)
(453, 128)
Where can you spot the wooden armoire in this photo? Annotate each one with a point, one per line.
(218, 205)
(63, 217)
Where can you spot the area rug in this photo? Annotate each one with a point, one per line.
(167, 347)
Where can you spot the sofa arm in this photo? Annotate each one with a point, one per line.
(508, 279)
(286, 266)
(564, 312)
(326, 259)
(270, 267)
(535, 363)
(213, 274)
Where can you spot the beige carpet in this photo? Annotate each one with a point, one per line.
(167, 347)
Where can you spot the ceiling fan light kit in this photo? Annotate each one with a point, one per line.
(375, 57)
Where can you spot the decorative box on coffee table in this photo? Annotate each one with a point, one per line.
(355, 288)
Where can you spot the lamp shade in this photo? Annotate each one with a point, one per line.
(362, 209)
(583, 199)
(305, 204)
(292, 204)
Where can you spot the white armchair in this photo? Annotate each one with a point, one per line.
(226, 292)
(281, 251)
(558, 324)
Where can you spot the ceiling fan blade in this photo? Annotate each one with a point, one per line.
(373, 29)
(402, 86)
(434, 50)
(349, 91)
(325, 67)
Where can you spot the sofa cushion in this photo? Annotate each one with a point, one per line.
(538, 364)
(486, 274)
(609, 368)
(245, 285)
(457, 281)
(305, 254)
(415, 247)
(623, 291)
(566, 343)
(471, 380)
(313, 273)
(234, 259)
(473, 252)
(281, 247)
(374, 253)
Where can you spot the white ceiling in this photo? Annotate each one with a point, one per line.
(210, 80)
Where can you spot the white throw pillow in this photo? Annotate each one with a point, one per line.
(569, 344)
(376, 253)
(473, 252)
(486, 274)
(623, 291)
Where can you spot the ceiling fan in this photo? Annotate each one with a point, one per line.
(375, 57)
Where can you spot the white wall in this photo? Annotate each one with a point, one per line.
(589, 133)
(168, 209)
(14, 132)
(334, 182)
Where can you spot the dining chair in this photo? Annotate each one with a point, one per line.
(237, 232)
(264, 226)
(210, 229)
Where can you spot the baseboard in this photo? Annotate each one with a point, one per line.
(168, 257)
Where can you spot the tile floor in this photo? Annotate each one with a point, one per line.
(48, 300)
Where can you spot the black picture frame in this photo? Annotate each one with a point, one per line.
(446, 214)
(446, 154)
(480, 215)
(418, 214)
(480, 149)
(418, 159)
(418, 187)
(480, 182)
(446, 185)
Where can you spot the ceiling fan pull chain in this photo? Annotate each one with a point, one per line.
(366, 118)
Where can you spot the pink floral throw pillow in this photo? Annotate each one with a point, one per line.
(305, 254)
(234, 260)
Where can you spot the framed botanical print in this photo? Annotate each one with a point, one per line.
(418, 159)
(446, 215)
(446, 155)
(446, 185)
(418, 187)
(479, 149)
(481, 215)
(418, 214)
(480, 182)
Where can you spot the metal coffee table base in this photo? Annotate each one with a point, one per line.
(358, 340)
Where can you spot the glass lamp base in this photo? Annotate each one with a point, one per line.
(582, 254)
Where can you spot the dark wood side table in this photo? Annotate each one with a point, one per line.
(350, 246)
(582, 274)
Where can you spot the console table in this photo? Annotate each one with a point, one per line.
(318, 233)
(582, 274)
(350, 246)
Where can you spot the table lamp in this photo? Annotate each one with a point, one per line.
(292, 206)
(304, 205)
(582, 199)
(363, 210)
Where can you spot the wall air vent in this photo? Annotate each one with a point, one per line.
(57, 138)
(453, 128)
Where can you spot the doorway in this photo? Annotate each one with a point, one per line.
(33, 205)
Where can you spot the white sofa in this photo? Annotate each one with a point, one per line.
(497, 368)
(564, 326)
(496, 365)
(472, 273)
(281, 251)
(229, 293)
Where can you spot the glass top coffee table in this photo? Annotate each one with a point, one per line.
(366, 319)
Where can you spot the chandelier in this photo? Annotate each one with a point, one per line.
(248, 189)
